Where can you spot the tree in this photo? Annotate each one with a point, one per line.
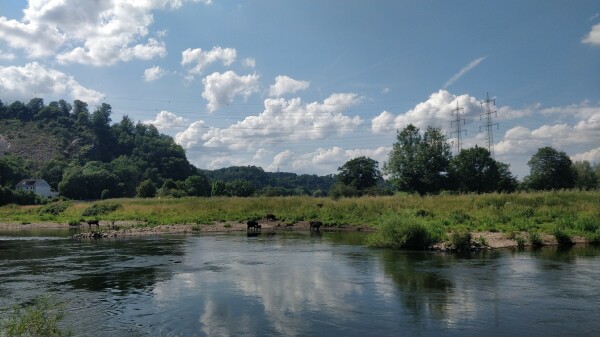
(147, 189)
(198, 186)
(419, 163)
(240, 188)
(360, 173)
(550, 169)
(219, 188)
(474, 170)
(586, 177)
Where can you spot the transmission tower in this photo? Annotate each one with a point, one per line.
(459, 129)
(488, 112)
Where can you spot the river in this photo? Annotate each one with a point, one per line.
(297, 284)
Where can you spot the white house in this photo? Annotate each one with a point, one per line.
(37, 186)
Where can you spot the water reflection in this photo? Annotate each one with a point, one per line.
(301, 284)
(422, 292)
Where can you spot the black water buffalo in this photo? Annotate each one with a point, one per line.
(252, 224)
(270, 217)
(93, 222)
(315, 225)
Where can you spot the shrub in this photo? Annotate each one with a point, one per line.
(402, 232)
(99, 209)
(520, 241)
(593, 238)
(54, 208)
(461, 240)
(74, 222)
(562, 238)
(38, 319)
(535, 239)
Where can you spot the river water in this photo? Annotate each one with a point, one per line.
(296, 284)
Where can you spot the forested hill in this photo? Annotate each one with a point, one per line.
(83, 155)
(274, 183)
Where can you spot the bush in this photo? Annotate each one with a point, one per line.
(402, 232)
(39, 319)
(461, 240)
(562, 238)
(535, 239)
(99, 209)
(54, 208)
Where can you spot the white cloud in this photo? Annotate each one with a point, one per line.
(6, 57)
(23, 82)
(199, 59)
(89, 32)
(592, 156)
(463, 71)
(221, 88)
(564, 137)
(593, 37)
(154, 73)
(285, 85)
(281, 121)
(167, 120)
(436, 111)
(249, 62)
(192, 135)
(326, 160)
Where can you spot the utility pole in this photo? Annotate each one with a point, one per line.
(488, 112)
(459, 129)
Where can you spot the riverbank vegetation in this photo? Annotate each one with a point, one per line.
(396, 219)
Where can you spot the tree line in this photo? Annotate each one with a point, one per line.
(99, 159)
(422, 162)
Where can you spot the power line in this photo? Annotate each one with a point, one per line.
(488, 112)
(459, 130)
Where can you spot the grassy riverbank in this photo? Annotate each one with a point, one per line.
(568, 213)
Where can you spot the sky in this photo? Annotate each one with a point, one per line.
(304, 86)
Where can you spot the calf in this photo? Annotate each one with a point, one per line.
(315, 225)
(252, 224)
(271, 217)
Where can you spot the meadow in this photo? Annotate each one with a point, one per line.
(560, 213)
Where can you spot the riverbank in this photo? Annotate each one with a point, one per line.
(122, 229)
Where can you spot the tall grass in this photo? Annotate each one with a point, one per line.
(574, 212)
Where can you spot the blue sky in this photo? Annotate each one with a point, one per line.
(304, 86)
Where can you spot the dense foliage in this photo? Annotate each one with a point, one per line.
(83, 156)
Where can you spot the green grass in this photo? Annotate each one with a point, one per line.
(40, 318)
(574, 212)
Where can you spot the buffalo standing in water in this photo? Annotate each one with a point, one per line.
(315, 225)
(252, 224)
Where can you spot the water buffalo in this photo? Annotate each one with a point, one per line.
(93, 222)
(270, 217)
(315, 225)
(252, 224)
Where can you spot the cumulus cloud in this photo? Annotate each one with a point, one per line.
(154, 73)
(435, 111)
(6, 57)
(22, 82)
(463, 71)
(221, 88)
(327, 160)
(89, 32)
(199, 59)
(592, 156)
(286, 85)
(281, 121)
(523, 140)
(593, 37)
(167, 120)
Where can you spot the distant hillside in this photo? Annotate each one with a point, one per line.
(30, 141)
